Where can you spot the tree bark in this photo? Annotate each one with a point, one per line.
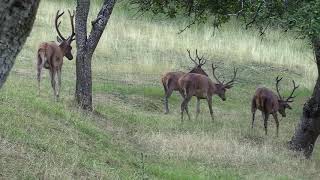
(86, 46)
(16, 21)
(308, 129)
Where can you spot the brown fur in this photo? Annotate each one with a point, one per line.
(170, 80)
(50, 56)
(268, 103)
(203, 88)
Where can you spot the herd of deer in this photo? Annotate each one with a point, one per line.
(197, 83)
(194, 83)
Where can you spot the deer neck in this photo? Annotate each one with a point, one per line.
(212, 88)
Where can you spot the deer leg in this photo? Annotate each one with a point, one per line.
(167, 95)
(253, 111)
(59, 81)
(187, 110)
(39, 78)
(275, 116)
(184, 105)
(53, 82)
(209, 100)
(266, 117)
(253, 116)
(198, 108)
(40, 64)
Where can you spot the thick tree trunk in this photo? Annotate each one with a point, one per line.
(84, 81)
(86, 47)
(16, 21)
(308, 129)
(83, 62)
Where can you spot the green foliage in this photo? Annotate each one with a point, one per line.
(216, 12)
(300, 16)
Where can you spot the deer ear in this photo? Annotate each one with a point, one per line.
(59, 39)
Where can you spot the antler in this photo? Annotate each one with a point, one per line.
(230, 83)
(213, 69)
(57, 24)
(191, 57)
(290, 98)
(72, 25)
(201, 62)
(277, 86)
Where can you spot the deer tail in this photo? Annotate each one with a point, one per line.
(41, 62)
(165, 85)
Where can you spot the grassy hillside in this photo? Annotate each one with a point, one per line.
(40, 138)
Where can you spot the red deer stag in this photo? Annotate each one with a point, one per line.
(170, 79)
(50, 55)
(269, 103)
(203, 88)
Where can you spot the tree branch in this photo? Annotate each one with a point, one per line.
(255, 15)
(99, 24)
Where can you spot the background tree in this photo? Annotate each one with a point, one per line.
(86, 46)
(16, 21)
(300, 16)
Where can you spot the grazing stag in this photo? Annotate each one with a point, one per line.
(170, 79)
(203, 88)
(50, 55)
(269, 103)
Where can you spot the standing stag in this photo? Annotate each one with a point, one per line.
(203, 88)
(170, 79)
(50, 55)
(269, 103)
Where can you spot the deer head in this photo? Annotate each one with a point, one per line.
(222, 87)
(65, 43)
(284, 103)
(198, 65)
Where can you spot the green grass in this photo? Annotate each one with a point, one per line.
(40, 138)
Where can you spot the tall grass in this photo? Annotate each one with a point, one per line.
(42, 138)
(127, 38)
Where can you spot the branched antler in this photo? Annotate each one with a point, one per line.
(290, 98)
(231, 82)
(57, 24)
(214, 76)
(191, 57)
(201, 60)
(72, 25)
(277, 86)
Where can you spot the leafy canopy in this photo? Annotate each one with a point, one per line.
(302, 16)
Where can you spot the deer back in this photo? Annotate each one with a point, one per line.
(52, 52)
(266, 100)
(196, 85)
(170, 79)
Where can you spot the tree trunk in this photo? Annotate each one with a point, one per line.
(308, 129)
(16, 21)
(86, 47)
(84, 81)
(83, 62)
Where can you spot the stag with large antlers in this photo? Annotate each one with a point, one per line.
(50, 55)
(203, 88)
(170, 79)
(269, 103)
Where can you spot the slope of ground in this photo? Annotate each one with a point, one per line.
(128, 136)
